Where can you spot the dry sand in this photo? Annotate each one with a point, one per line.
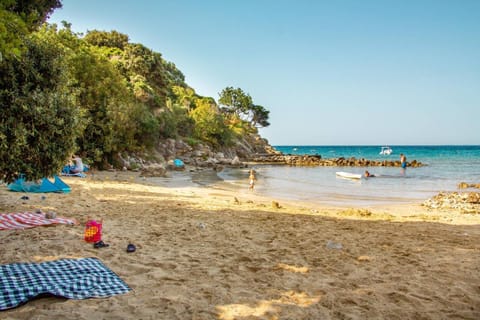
(203, 255)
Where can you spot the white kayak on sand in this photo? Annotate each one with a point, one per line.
(348, 175)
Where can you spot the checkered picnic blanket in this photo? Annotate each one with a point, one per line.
(69, 278)
(22, 220)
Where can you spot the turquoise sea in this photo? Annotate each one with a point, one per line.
(445, 167)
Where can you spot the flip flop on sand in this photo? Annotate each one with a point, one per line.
(131, 248)
(100, 244)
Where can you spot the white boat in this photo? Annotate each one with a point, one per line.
(348, 175)
(386, 151)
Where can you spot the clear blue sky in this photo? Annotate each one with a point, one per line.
(345, 72)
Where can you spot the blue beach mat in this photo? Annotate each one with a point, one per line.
(78, 174)
(67, 171)
(69, 278)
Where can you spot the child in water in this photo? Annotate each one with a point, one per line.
(252, 179)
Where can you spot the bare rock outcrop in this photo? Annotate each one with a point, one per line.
(468, 202)
(153, 170)
(317, 160)
(465, 185)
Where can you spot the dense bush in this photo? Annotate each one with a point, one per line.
(38, 121)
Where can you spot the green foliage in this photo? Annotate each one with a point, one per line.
(175, 121)
(12, 31)
(167, 124)
(191, 141)
(148, 127)
(141, 88)
(138, 61)
(32, 12)
(235, 101)
(209, 123)
(17, 19)
(184, 96)
(112, 39)
(242, 116)
(259, 116)
(97, 95)
(38, 122)
(237, 104)
(111, 118)
(173, 76)
(107, 105)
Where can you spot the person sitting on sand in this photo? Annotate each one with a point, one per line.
(78, 167)
(368, 174)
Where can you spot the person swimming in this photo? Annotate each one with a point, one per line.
(368, 174)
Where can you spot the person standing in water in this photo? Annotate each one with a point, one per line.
(403, 160)
(252, 179)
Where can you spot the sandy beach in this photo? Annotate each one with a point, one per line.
(205, 253)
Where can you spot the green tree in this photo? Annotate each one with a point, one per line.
(209, 123)
(17, 19)
(38, 121)
(137, 60)
(238, 106)
(110, 117)
(184, 96)
(32, 12)
(12, 32)
(259, 116)
(112, 39)
(173, 76)
(234, 101)
(106, 103)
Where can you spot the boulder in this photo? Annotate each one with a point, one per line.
(153, 170)
(473, 197)
(236, 161)
(463, 185)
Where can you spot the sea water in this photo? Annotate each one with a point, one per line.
(444, 168)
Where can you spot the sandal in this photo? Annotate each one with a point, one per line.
(131, 248)
(100, 244)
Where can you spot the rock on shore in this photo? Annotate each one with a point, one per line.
(317, 160)
(467, 202)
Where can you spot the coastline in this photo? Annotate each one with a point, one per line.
(209, 253)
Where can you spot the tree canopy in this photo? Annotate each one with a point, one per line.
(38, 123)
(97, 95)
(239, 104)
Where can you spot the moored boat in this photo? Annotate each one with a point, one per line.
(386, 151)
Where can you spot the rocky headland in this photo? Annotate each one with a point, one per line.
(250, 150)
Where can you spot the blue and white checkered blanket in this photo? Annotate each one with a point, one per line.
(69, 278)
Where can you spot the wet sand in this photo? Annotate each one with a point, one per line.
(208, 253)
